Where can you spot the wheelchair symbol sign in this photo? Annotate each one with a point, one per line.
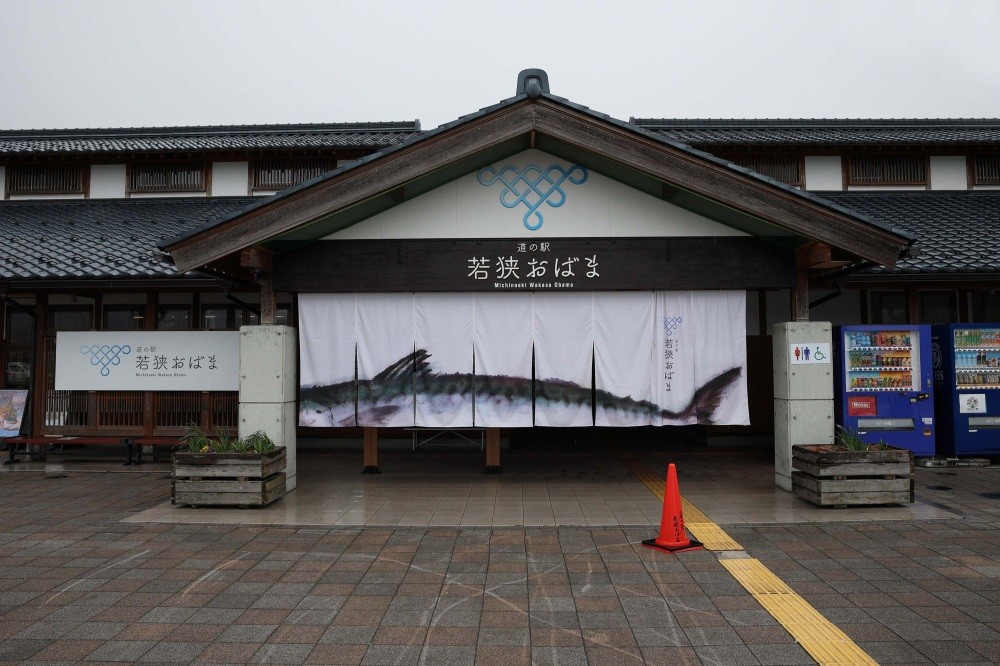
(811, 353)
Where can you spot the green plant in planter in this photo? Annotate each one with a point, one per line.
(258, 442)
(850, 439)
(195, 439)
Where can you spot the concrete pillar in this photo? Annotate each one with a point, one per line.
(803, 394)
(268, 380)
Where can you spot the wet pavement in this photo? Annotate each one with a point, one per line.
(82, 584)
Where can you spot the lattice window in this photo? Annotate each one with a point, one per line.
(278, 174)
(887, 170)
(986, 169)
(45, 179)
(783, 168)
(166, 177)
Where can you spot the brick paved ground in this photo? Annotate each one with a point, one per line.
(79, 584)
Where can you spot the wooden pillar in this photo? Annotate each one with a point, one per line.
(149, 397)
(807, 257)
(492, 451)
(912, 306)
(762, 312)
(258, 260)
(800, 295)
(371, 452)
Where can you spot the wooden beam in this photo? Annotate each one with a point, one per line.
(256, 259)
(813, 255)
(912, 306)
(268, 300)
(371, 451)
(492, 451)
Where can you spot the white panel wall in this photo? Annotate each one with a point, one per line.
(165, 195)
(107, 181)
(599, 207)
(824, 172)
(949, 172)
(230, 179)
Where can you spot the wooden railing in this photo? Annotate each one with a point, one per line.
(887, 170)
(277, 174)
(782, 168)
(166, 177)
(136, 412)
(986, 170)
(45, 179)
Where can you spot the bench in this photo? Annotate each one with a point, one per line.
(418, 430)
(129, 443)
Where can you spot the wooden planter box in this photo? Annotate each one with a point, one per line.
(834, 476)
(228, 479)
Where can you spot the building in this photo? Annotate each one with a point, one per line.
(187, 228)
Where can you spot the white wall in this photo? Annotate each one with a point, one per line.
(165, 195)
(949, 172)
(107, 181)
(230, 179)
(824, 172)
(30, 197)
(598, 207)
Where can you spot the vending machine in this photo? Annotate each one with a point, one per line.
(967, 388)
(886, 387)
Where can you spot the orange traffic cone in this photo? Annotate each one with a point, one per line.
(672, 537)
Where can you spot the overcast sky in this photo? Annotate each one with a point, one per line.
(103, 63)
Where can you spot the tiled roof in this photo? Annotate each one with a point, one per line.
(222, 137)
(809, 132)
(957, 231)
(86, 239)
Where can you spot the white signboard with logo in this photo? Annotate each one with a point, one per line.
(148, 361)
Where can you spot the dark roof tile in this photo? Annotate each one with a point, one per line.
(205, 138)
(813, 132)
(97, 238)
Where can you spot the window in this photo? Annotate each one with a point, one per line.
(278, 174)
(783, 168)
(986, 305)
(888, 307)
(124, 317)
(16, 345)
(887, 170)
(166, 177)
(45, 179)
(938, 307)
(986, 169)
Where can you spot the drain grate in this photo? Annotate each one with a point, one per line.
(939, 487)
(991, 495)
(946, 473)
(57, 476)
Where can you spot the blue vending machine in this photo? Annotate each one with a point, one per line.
(886, 389)
(967, 388)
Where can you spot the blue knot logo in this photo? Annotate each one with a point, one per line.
(533, 186)
(105, 355)
(670, 324)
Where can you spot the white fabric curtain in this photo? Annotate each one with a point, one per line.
(444, 330)
(564, 357)
(675, 349)
(623, 358)
(502, 340)
(385, 343)
(328, 336)
(720, 347)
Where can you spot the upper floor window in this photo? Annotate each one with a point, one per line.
(45, 179)
(986, 169)
(278, 174)
(887, 170)
(783, 168)
(166, 177)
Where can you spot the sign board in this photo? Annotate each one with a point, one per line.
(148, 361)
(12, 404)
(809, 353)
(543, 264)
(971, 403)
(862, 405)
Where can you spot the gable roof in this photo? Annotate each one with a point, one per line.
(204, 138)
(825, 132)
(536, 118)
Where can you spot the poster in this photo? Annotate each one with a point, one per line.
(450, 360)
(12, 402)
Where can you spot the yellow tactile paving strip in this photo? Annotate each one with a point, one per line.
(703, 529)
(824, 642)
(818, 636)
